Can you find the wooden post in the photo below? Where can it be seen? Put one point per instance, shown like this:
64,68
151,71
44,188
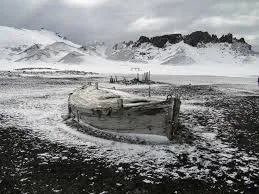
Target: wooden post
149,91
120,103
77,116
138,76
96,86
174,117
69,106
149,76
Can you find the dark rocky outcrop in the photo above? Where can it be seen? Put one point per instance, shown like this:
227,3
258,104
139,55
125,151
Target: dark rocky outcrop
197,37
226,38
242,40
214,38
174,38
160,41
128,43
192,39
142,39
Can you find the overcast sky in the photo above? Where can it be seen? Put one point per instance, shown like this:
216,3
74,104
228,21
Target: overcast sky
116,20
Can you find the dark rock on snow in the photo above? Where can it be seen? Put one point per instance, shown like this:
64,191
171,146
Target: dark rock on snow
192,39
197,37
226,38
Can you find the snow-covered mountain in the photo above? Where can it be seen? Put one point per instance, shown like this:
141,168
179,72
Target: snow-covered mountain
33,46
176,49
196,53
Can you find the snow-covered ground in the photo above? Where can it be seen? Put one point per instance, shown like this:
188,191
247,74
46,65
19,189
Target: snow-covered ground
37,103
101,65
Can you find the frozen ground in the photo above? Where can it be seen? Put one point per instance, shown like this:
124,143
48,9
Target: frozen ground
216,151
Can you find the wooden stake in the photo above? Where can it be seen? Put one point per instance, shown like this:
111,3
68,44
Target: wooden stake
120,103
77,116
69,106
149,91
174,117
96,86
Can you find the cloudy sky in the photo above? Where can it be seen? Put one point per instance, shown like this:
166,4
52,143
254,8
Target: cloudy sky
115,20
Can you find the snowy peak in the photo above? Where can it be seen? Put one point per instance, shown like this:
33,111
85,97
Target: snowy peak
61,47
72,58
95,48
21,45
33,46
13,37
177,49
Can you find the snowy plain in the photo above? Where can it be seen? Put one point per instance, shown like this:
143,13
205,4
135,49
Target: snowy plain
37,103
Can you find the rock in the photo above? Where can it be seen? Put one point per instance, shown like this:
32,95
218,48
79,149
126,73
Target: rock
159,41
142,39
214,38
174,38
226,38
242,40
129,43
192,39
197,37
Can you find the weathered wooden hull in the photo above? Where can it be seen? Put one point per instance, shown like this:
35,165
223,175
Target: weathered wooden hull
142,118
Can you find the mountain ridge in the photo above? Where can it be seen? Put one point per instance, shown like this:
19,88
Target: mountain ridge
192,39
21,45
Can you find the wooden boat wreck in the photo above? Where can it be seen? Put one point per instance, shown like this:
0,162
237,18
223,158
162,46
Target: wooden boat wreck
112,110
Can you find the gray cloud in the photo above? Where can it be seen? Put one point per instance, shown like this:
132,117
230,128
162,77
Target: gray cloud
86,20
